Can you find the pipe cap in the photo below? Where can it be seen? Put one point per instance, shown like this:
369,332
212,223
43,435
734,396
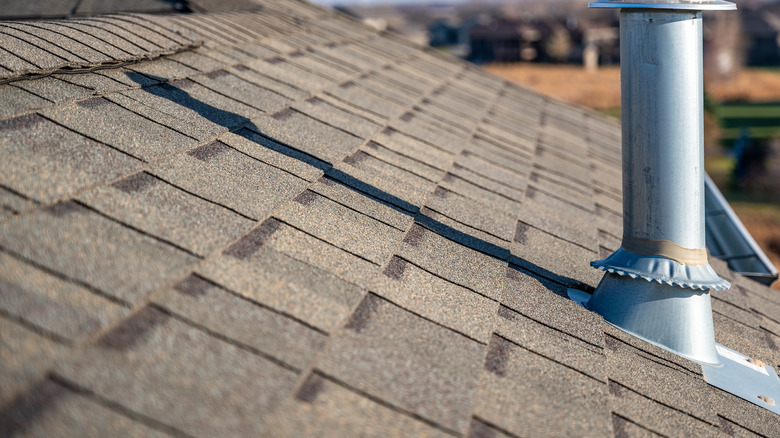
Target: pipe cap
691,5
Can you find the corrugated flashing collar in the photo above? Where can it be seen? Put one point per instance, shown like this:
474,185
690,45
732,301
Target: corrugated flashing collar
661,270
690,5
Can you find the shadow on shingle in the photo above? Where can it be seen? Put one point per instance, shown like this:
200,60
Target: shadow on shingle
244,127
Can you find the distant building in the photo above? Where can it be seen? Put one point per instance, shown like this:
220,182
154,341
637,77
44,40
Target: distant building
505,40
762,34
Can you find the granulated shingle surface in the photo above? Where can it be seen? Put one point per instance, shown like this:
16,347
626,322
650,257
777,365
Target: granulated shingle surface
279,222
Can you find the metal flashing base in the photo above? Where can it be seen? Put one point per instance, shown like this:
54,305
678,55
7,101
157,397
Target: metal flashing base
737,374
743,377
673,318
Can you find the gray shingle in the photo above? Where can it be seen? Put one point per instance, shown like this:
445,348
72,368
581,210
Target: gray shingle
572,226
383,344
463,233
322,68
546,302
655,416
178,375
14,64
163,68
196,107
481,194
302,132
275,154
86,247
271,333
64,310
489,183
678,389
473,213
413,148
54,90
45,161
340,226
12,203
283,283
16,100
155,207
27,53
359,97
436,299
334,116
116,126
552,343
380,185
279,69
454,262
104,35
24,357
554,258
324,408
526,394
59,36
367,205
231,179
123,32
197,60
18,44
245,92
49,409
408,164
259,79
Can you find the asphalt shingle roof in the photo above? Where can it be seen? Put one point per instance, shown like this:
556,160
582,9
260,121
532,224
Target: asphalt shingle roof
281,223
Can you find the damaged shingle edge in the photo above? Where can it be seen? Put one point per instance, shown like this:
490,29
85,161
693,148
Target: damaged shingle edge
89,68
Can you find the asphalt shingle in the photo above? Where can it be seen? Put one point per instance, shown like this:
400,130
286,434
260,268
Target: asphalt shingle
322,407
454,262
88,248
340,226
45,161
524,393
25,356
177,375
309,135
290,286
17,100
231,179
433,298
382,345
59,412
157,208
230,315
64,310
116,126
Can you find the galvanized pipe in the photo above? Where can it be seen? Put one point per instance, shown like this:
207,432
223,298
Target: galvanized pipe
663,129
656,285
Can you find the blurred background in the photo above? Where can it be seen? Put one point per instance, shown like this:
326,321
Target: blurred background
562,49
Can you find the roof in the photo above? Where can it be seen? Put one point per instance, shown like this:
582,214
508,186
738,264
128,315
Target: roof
287,224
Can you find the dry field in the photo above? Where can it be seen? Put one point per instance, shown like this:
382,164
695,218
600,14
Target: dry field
600,90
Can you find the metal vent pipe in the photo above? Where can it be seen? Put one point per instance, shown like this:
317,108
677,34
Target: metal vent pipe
656,285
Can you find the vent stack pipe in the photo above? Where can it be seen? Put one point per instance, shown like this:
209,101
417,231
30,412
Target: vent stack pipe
656,285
